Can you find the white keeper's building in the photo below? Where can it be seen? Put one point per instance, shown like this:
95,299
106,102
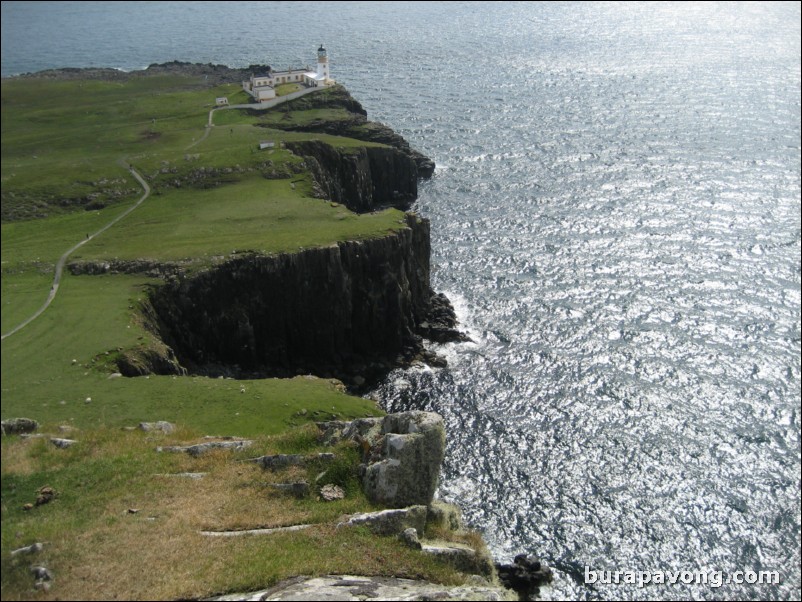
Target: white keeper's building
263,87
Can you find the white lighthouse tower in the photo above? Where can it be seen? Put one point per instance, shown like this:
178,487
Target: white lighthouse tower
322,64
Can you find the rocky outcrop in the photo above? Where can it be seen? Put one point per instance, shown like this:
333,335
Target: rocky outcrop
364,178
157,359
355,125
62,443
350,310
446,516
390,522
160,426
17,426
200,449
405,466
462,557
401,454
282,461
353,587
154,269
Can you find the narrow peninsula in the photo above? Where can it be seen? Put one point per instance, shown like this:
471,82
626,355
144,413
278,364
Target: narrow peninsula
178,423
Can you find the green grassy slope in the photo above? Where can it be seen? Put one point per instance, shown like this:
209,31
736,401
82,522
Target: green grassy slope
63,143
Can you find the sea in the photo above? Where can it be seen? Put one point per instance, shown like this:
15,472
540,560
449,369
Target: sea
616,218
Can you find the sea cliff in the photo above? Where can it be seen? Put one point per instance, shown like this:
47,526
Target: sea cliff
353,310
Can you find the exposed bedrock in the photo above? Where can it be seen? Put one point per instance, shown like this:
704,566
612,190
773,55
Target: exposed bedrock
362,178
356,125
352,310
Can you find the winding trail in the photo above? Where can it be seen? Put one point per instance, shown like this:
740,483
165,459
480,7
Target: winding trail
63,259
207,130
259,106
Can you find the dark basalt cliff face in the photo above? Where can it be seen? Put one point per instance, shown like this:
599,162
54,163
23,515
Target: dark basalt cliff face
352,310
356,125
363,179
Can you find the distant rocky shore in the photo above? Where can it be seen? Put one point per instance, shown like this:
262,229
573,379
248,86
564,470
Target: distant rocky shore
214,74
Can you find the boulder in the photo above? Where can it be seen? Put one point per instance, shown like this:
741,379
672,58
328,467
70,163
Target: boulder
31,549
401,454
161,426
331,492
17,426
62,443
461,557
410,538
281,461
407,469
298,489
41,573
45,495
357,587
525,575
201,448
390,522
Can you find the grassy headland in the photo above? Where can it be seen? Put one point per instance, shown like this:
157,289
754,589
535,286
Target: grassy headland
63,141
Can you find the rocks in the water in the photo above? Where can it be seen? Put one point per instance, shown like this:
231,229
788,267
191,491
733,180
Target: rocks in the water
18,426
441,321
202,448
525,575
62,443
390,522
331,492
161,426
280,461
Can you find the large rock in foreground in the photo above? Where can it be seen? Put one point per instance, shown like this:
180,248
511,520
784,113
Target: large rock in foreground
351,587
402,454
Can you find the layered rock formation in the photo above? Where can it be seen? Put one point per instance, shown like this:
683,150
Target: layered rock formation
352,310
363,179
356,125
402,454
358,587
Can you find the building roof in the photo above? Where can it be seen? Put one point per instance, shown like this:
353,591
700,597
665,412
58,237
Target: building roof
315,76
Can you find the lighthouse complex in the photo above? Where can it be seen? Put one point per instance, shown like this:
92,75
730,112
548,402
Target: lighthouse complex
263,87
